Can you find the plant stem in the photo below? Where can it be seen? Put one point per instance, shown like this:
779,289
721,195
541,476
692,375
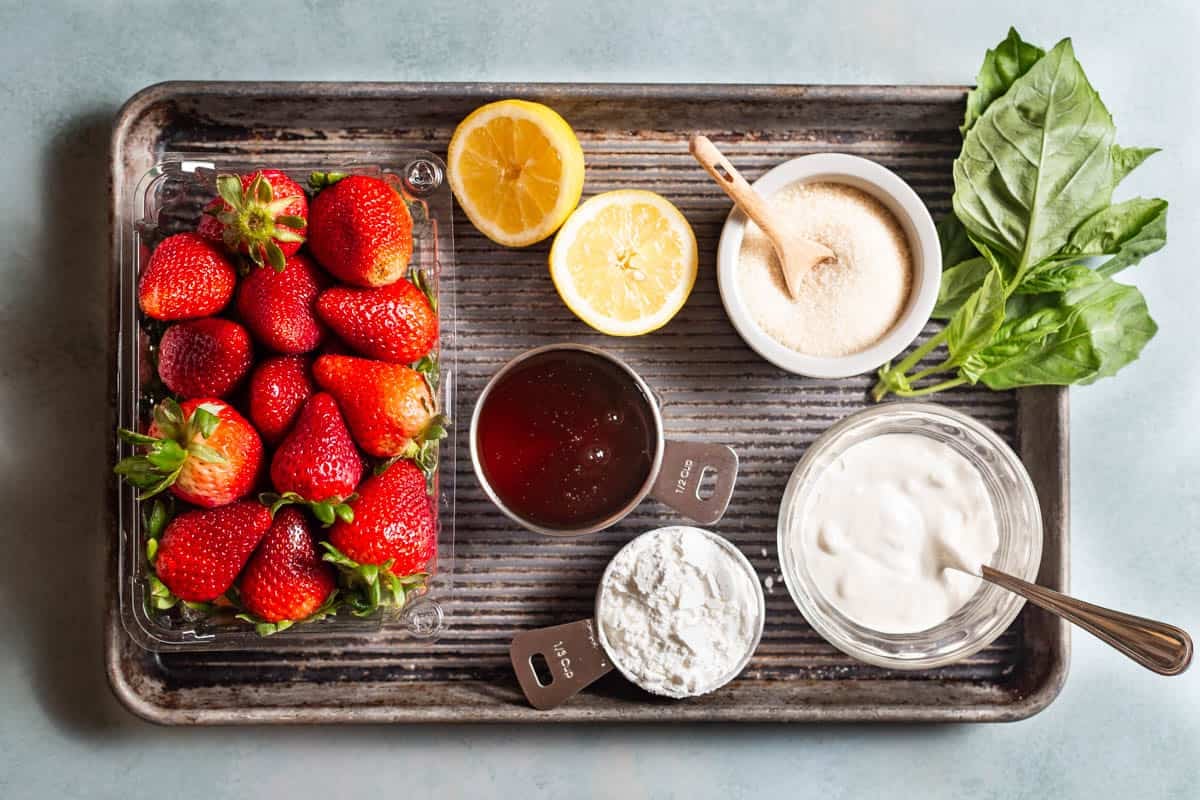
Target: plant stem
881,387
912,358
934,370
937,387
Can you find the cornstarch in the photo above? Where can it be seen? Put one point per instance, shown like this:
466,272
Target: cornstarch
679,611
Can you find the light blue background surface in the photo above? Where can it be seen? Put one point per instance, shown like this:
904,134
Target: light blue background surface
1116,731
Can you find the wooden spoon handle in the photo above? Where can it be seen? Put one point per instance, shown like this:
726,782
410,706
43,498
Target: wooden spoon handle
1155,645
738,189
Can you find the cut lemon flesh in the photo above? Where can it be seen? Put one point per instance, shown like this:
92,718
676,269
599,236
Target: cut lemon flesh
625,262
516,169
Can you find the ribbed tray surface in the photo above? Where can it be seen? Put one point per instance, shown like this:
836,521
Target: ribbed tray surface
712,387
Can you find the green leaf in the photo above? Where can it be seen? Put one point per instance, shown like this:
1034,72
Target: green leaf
956,245
978,319
1036,164
959,283
344,512
168,416
203,422
1128,232
260,187
1104,326
135,438
1127,159
275,256
1055,278
321,180
292,221
157,518
230,189
166,455
151,549
323,512
1002,66
206,453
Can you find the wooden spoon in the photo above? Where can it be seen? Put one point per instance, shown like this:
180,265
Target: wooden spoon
796,255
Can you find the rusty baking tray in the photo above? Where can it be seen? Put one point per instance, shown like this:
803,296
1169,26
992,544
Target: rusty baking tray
710,382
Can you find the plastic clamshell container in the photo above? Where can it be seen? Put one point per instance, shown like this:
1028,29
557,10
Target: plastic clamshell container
170,199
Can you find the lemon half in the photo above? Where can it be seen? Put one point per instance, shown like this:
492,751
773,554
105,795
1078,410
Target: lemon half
516,169
625,262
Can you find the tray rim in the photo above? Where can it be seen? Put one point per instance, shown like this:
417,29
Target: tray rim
1042,411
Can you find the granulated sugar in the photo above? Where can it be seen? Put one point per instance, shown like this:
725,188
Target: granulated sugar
846,305
679,612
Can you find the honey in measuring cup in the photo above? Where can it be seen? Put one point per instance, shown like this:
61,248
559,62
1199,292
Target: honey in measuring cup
566,439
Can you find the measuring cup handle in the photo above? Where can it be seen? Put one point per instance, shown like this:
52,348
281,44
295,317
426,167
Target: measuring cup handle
683,466
573,657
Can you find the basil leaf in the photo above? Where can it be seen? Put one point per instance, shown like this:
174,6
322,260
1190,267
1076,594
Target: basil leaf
958,283
1129,231
1127,159
1002,65
957,247
1119,322
1104,326
1149,238
1056,278
1037,163
978,319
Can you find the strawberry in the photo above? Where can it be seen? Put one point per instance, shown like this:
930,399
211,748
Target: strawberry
279,308
262,214
317,463
392,323
204,357
388,406
278,388
360,229
391,542
286,581
204,451
185,277
202,552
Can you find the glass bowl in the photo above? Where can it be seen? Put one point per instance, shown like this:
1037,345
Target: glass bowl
1018,519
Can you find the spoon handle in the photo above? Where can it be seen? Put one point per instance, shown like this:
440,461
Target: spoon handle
729,179
1155,645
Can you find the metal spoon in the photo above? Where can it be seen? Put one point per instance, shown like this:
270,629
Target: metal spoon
796,255
1155,645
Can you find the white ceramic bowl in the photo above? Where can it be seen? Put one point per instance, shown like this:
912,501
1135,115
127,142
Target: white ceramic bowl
899,198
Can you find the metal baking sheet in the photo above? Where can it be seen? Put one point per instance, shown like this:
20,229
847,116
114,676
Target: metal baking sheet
711,384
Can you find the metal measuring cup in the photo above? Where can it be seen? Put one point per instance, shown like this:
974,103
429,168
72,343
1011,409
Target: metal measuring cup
676,471
578,653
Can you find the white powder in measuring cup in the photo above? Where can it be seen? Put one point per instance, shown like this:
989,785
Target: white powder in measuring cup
679,612
846,305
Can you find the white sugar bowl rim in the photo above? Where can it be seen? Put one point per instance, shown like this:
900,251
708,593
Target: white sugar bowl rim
899,198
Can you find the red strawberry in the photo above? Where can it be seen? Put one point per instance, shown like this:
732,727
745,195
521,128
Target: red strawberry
186,277
286,581
360,230
279,308
201,552
262,215
393,323
206,452
204,357
387,406
317,463
394,524
278,388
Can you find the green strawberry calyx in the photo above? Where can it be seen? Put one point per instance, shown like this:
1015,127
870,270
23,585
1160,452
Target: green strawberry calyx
371,586
254,221
159,466
323,180
422,449
263,627
326,511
